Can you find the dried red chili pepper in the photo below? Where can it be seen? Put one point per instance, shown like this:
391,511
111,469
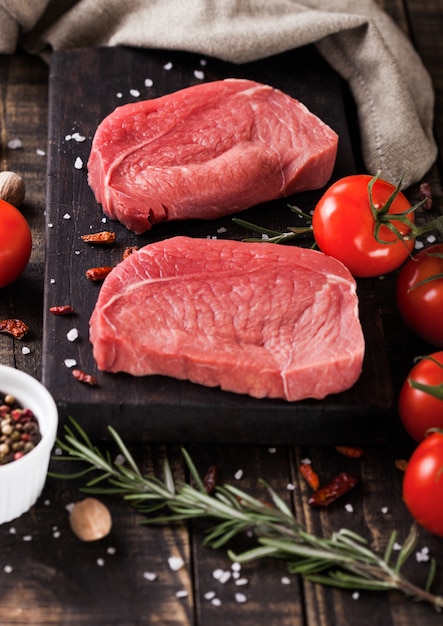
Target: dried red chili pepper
103,237
310,476
64,309
354,452
339,485
16,328
426,195
84,378
210,479
98,273
128,251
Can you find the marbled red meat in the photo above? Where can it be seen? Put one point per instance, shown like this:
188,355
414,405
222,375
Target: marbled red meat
253,318
206,151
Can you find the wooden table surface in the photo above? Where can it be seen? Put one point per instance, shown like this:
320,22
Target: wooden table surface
47,576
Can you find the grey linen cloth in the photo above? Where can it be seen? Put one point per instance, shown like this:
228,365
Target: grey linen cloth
391,87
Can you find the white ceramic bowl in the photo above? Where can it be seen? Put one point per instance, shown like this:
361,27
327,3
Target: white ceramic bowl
22,481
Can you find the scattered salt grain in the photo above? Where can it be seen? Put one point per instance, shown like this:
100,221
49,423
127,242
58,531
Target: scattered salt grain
72,335
199,74
75,137
100,562
66,216
396,546
384,510
290,486
56,534
422,556
119,459
349,508
175,563
104,220
134,93
272,450
209,595
69,507
221,230
111,550
181,594
119,94
167,66
306,461
236,567
7,569
419,244
12,530
50,225
265,236
241,582
58,451
285,580
40,152
149,82
151,576
221,575
27,537
203,62
355,595
15,144
47,502
226,575
238,474
26,350
78,163
241,598
216,601
70,362
431,238
52,281
77,252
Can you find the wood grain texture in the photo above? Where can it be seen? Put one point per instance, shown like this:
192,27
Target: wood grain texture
158,408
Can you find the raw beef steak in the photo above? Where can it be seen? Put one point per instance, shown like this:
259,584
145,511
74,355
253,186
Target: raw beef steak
207,151
253,318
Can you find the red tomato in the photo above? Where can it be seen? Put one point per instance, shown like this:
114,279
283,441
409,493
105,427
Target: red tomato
343,224
423,484
421,305
15,243
419,410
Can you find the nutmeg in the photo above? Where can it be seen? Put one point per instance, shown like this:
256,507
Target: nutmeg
90,520
12,188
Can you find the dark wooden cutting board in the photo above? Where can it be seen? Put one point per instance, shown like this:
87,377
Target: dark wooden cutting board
86,85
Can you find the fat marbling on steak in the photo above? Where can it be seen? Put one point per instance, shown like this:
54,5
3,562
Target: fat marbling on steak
252,318
206,151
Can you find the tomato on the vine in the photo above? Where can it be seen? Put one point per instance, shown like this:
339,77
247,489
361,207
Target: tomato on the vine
423,484
15,243
420,402
353,222
420,294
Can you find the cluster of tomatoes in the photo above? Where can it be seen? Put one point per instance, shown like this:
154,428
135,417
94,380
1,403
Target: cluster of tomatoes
369,225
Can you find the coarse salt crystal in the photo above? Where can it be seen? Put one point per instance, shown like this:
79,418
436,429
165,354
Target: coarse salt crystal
47,502
290,486
69,507
100,562
56,534
72,335
419,245
52,281
355,595
199,74
134,93
13,530
15,143
7,569
222,229
238,474
225,577
175,563
272,450
111,550
149,82
40,152
285,580
26,350
104,220
119,459
78,163
349,508
66,216
216,601
203,62
27,537
50,225
431,238
209,595
58,451
78,138
236,567
384,510
70,362
396,546
167,66
217,573
119,94
181,594
241,597
77,252
241,582
151,576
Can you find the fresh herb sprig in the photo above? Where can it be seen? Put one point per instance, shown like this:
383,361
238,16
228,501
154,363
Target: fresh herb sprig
343,560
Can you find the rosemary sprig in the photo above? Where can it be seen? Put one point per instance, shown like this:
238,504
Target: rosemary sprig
343,560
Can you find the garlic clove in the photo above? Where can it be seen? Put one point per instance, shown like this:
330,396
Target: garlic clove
90,520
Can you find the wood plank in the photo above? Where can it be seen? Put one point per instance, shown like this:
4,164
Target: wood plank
158,408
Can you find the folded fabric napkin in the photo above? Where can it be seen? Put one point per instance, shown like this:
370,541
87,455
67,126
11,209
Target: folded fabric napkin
391,87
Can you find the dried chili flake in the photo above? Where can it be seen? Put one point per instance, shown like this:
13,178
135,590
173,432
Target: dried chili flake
210,479
353,452
339,485
128,251
16,328
426,195
98,273
83,377
64,309
310,476
401,464
104,237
